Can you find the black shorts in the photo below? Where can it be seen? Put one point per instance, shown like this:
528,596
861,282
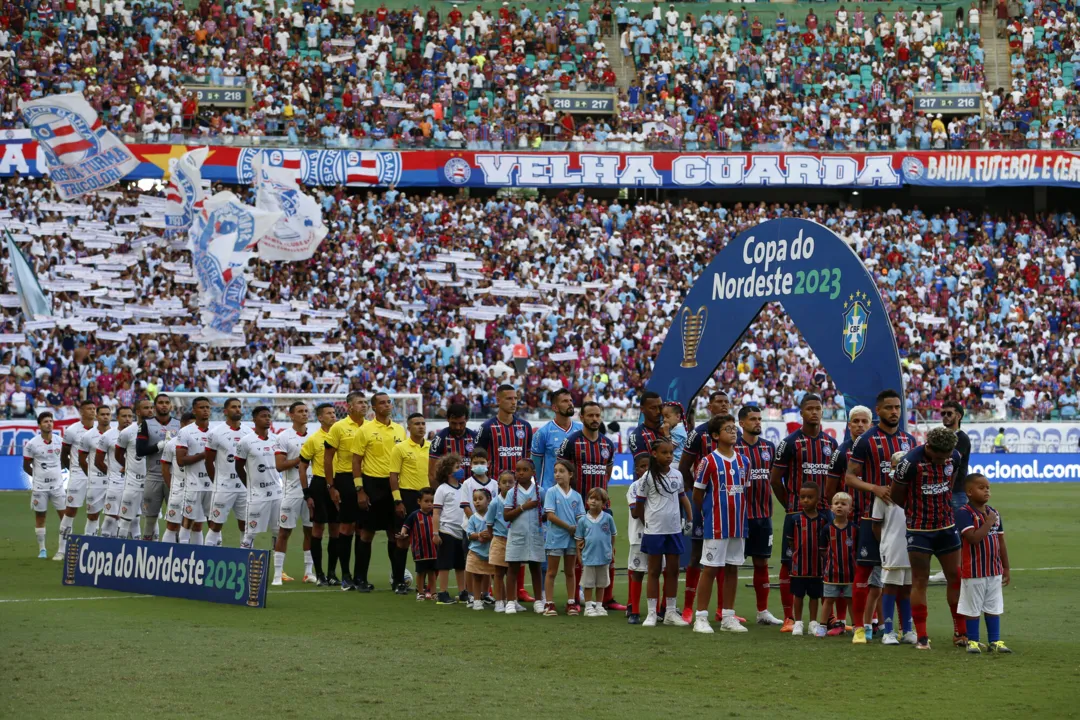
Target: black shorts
802,586
380,513
451,553
759,537
325,510
868,547
348,510
424,566
411,499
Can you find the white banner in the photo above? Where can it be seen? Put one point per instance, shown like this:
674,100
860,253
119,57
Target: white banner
185,194
300,229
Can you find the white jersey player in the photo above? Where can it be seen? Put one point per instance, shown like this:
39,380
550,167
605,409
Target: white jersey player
295,505
198,485
105,460
97,480
77,479
127,452
41,461
174,477
255,467
230,495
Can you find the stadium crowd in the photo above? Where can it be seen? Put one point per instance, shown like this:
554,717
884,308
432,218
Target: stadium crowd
985,307
377,77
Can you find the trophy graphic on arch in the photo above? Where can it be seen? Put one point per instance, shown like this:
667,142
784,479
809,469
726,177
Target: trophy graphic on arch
693,327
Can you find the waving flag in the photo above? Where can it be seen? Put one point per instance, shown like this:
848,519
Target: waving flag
81,155
184,195
31,297
300,230
222,239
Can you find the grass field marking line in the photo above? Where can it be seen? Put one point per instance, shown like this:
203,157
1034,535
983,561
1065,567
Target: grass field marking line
72,599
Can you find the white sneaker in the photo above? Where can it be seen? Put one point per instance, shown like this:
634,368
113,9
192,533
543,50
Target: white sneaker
650,619
767,618
938,577
819,631
889,639
797,630
477,604
276,581
511,608
672,617
599,610
538,607
590,611
500,606
813,627
58,556
308,578
909,638
701,625
517,606
729,624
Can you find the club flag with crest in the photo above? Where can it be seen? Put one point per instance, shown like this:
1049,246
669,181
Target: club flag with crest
184,195
80,154
34,302
300,230
222,239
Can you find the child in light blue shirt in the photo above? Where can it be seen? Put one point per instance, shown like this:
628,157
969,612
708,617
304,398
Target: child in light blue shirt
477,567
496,524
562,508
595,538
674,420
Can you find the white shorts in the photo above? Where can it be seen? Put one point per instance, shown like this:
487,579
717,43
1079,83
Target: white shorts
293,509
637,561
896,576
76,491
41,499
718,553
112,500
174,511
595,576
131,503
197,505
225,502
981,595
95,500
262,515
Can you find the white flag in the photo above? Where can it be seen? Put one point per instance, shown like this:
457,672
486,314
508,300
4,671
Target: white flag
81,155
300,230
185,194
222,239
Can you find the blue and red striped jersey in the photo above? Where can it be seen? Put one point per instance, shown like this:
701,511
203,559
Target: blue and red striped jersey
804,459
592,460
641,438
421,528
505,444
929,489
839,546
698,443
804,539
760,455
446,443
981,559
726,482
872,454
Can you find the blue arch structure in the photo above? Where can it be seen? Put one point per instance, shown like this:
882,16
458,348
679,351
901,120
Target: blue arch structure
825,289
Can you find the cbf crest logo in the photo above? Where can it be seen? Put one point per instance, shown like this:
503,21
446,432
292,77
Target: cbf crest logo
457,171
856,317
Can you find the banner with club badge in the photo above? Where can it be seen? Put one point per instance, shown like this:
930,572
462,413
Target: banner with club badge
185,194
298,232
222,239
80,153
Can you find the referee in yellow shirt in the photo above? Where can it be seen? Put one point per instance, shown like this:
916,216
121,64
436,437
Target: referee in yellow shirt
409,463
325,513
339,459
378,499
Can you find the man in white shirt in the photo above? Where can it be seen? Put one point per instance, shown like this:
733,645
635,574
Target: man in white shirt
97,480
255,468
41,461
127,455
230,495
106,462
296,503
77,479
173,475
198,485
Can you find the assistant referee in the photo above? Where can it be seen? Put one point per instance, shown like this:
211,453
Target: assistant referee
379,502
325,512
409,464
338,456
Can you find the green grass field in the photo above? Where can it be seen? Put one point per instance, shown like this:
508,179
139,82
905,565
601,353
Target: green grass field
321,652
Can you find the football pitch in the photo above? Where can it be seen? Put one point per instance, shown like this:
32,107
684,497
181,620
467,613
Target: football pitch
80,652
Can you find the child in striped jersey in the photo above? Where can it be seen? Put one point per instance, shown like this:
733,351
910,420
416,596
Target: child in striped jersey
984,566
838,545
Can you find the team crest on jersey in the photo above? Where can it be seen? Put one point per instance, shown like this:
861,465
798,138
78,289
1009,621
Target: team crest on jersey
849,542
856,315
765,456
469,446
253,523
605,453
905,445
520,434
284,518
862,552
187,508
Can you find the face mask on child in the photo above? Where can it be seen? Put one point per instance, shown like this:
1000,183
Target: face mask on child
479,469
459,474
